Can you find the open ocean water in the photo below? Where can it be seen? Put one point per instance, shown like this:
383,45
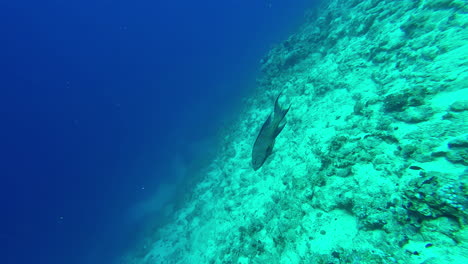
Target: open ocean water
106,107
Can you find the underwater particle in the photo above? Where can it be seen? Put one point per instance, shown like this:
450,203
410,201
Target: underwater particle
415,168
323,232
428,245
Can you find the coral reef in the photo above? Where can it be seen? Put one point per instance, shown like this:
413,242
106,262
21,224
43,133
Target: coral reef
372,166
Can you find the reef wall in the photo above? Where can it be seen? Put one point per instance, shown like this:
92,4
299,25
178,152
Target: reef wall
372,164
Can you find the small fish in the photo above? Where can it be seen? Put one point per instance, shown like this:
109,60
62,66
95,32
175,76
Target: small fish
265,141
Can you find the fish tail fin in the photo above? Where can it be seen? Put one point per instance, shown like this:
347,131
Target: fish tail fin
279,129
280,113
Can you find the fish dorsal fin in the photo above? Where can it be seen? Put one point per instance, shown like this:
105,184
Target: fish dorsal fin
284,112
267,122
280,113
278,110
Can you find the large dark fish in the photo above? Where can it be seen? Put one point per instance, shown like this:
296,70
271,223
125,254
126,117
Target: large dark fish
265,141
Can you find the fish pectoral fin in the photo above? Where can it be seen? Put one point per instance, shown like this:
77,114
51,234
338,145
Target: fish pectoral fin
267,122
270,149
279,129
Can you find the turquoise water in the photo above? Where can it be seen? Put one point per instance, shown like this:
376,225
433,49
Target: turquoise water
128,130
371,166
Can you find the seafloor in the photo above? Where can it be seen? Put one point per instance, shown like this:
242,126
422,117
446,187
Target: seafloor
372,164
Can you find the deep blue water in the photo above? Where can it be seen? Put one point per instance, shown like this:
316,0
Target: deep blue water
97,100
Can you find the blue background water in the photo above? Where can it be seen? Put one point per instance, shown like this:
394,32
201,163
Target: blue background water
99,97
